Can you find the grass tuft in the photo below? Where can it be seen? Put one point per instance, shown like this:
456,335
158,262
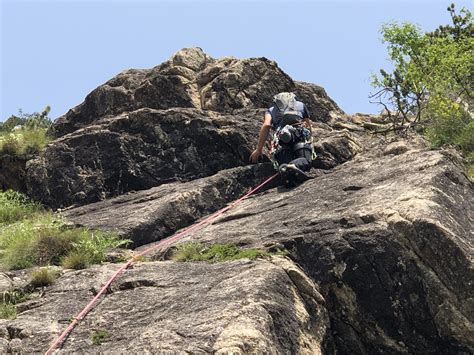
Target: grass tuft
217,253
99,337
15,206
7,311
8,302
76,260
43,277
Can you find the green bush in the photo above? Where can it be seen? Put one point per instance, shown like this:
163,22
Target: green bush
43,239
217,253
15,206
9,144
431,84
28,120
24,141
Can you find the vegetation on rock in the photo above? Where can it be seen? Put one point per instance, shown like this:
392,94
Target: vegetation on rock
431,84
30,236
8,302
15,207
217,252
25,133
99,337
43,277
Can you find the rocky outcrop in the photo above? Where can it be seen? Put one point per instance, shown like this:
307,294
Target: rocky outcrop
388,240
139,150
380,240
192,79
187,118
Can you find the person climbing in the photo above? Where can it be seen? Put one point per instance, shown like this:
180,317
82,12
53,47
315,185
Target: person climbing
291,145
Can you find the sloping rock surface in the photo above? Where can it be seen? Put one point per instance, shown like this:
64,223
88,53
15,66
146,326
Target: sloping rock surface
388,239
241,306
161,211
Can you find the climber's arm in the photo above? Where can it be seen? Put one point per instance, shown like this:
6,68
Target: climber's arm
266,126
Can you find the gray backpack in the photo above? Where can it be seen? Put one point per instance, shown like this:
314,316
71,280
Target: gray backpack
285,109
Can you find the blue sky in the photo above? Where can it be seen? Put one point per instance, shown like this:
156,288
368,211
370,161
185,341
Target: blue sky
55,52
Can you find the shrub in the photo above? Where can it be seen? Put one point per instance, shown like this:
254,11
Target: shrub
10,145
18,241
50,247
15,206
43,277
431,84
24,141
217,252
43,239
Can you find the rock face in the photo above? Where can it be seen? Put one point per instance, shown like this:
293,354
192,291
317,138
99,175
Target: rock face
138,150
192,79
187,118
380,241
261,306
160,211
388,239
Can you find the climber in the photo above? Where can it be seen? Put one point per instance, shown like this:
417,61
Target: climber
291,145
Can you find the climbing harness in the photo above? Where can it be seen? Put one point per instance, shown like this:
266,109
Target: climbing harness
164,242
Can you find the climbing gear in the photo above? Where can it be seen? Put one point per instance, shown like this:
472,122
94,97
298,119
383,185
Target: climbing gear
162,243
292,175
285,110
282,139
285,101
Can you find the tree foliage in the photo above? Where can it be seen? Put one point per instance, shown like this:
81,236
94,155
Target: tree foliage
33,120
431,82
25,133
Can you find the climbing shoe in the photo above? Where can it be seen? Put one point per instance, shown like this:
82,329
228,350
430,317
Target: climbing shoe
291,175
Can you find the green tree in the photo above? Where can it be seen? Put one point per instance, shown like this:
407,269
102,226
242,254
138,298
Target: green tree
431,83
33,120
